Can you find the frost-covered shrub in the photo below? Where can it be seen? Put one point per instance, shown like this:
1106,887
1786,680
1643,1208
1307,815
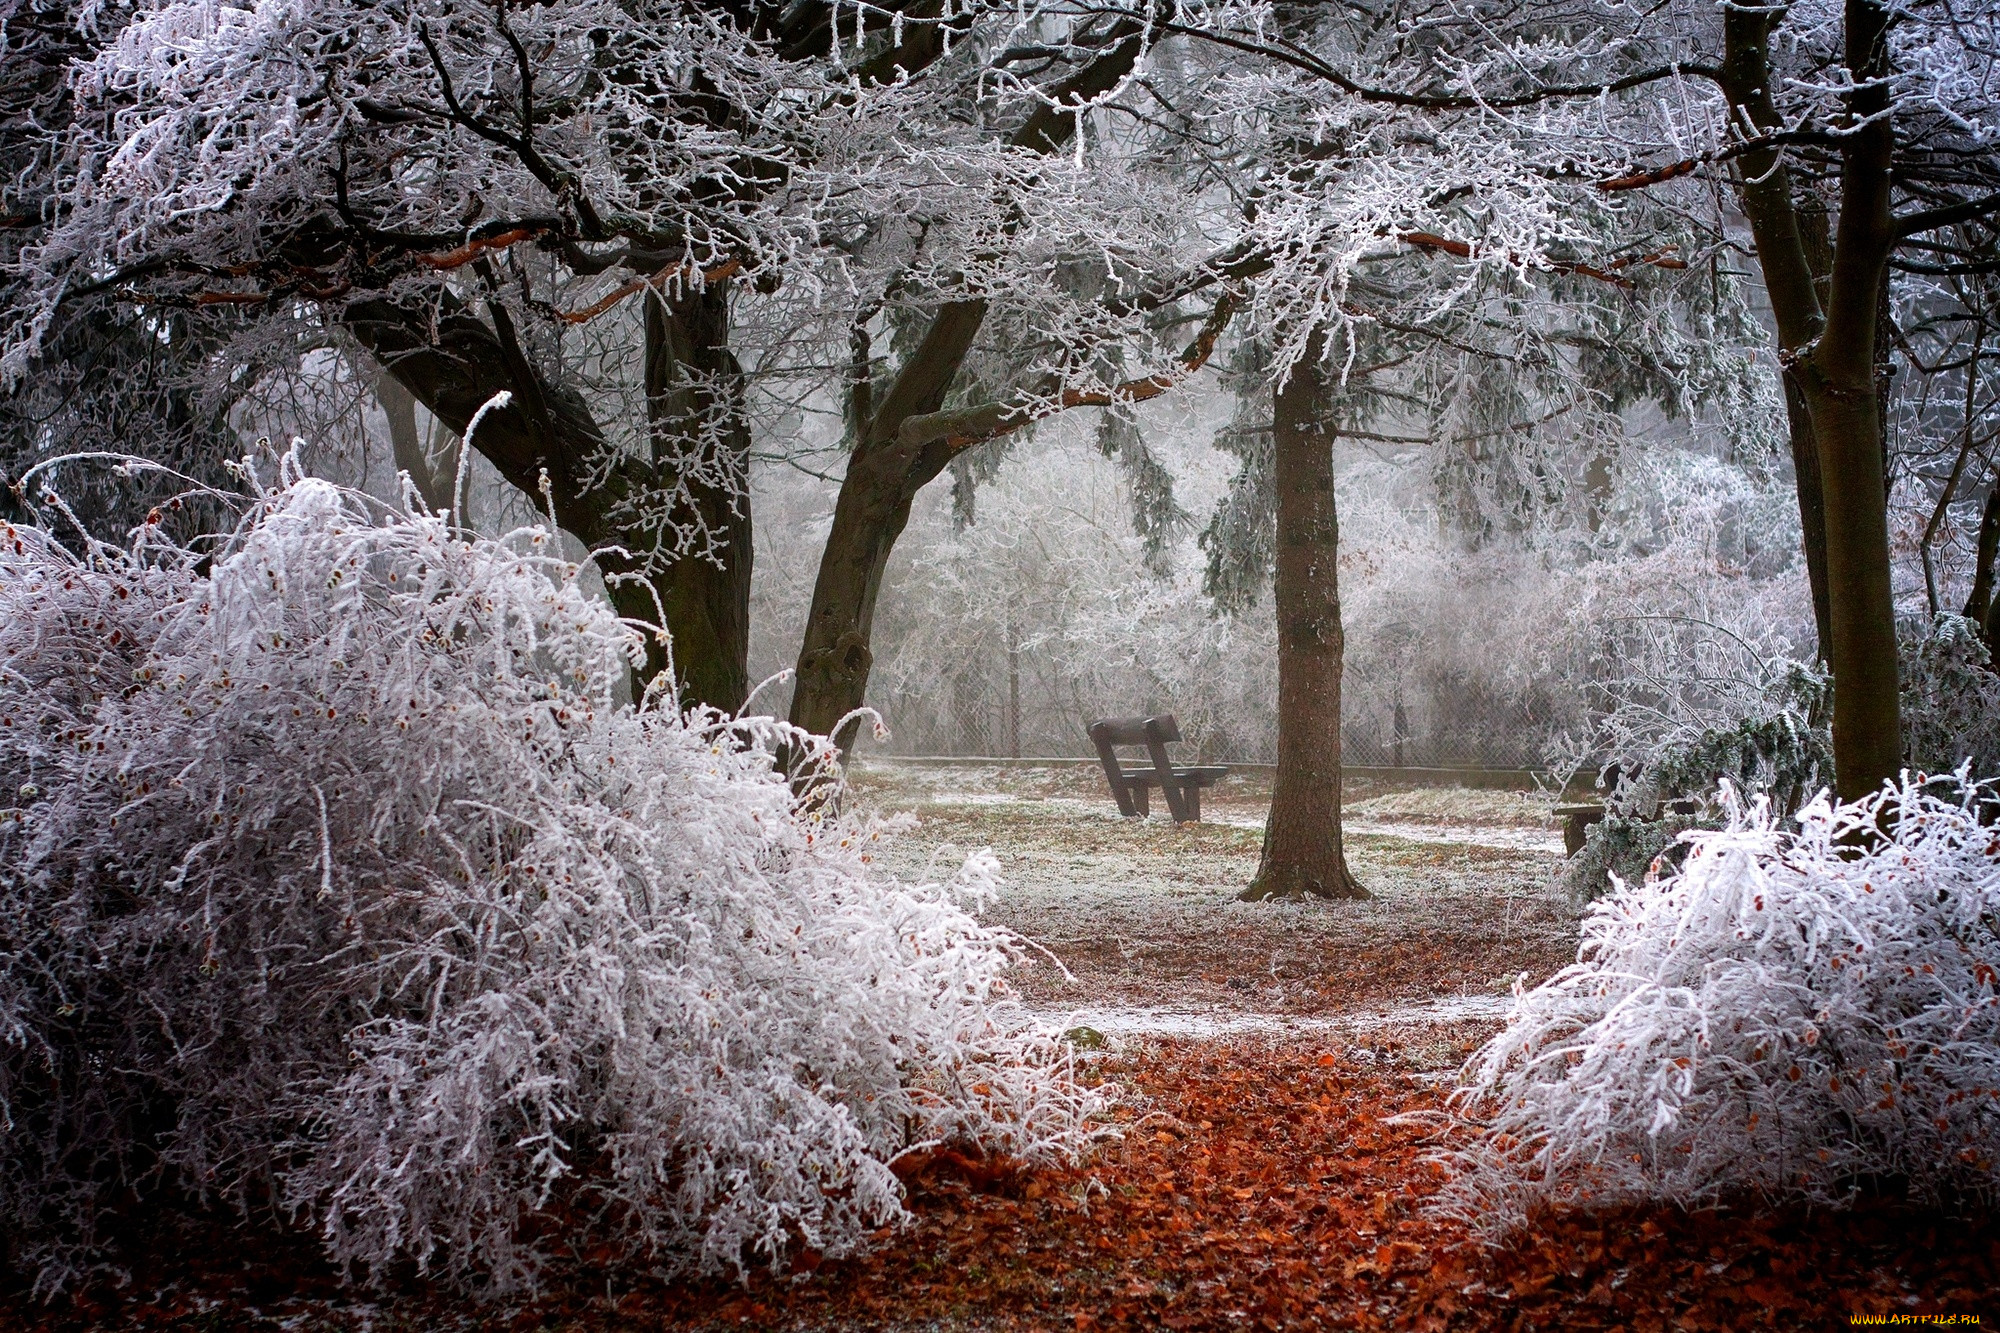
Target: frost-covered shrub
1763,732
1787,1014
335,882
1759,721
1951,697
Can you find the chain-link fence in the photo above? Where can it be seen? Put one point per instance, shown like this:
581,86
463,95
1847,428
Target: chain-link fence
1012,706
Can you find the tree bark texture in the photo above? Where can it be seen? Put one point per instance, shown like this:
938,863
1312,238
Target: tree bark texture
1303,855
1828,348
1980,604
399,407
1812,511
694,401
885,471
1795,250
1816,237
454,362
883,477
1843,390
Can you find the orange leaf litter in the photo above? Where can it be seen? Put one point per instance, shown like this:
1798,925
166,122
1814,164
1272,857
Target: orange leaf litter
1258,1187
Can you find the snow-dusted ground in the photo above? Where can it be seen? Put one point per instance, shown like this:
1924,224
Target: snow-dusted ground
1510,836
1145,939
1514,837
1154,1021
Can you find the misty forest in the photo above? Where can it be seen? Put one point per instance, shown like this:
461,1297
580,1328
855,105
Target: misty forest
999,664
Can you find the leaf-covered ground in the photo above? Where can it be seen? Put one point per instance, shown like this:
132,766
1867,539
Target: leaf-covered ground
1260,1186
1265,1179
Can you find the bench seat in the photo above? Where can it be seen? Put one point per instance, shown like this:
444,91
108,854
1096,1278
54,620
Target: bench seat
1577,819
1190,780
1131,787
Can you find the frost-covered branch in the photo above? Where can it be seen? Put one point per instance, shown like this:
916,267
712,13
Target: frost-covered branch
332,864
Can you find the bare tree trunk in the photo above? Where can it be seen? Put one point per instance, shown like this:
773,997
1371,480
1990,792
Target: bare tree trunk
399,406
1796,252
884,474
1303,854
1816,239
1829,350
1843,389
1812,509
870,513
1013,688
694,403
454,363
1980,604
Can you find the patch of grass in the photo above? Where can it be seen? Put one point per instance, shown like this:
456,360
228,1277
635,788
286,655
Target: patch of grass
1144,913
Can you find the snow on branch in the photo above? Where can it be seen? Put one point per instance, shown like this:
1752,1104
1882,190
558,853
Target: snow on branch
331,860
1792,1015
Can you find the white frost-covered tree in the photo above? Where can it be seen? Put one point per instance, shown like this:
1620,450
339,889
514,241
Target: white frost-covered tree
657,226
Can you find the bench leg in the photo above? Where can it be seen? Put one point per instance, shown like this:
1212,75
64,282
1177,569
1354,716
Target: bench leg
1121,791
1141,799
1191,798
1574,830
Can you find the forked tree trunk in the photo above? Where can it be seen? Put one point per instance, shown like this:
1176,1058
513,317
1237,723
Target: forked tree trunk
1303,855
884,473
883,477
454,362
1828,346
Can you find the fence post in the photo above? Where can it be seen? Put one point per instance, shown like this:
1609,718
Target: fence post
1013,687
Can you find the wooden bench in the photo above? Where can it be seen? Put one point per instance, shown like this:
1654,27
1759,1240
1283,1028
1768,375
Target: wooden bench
1130,786
1578,818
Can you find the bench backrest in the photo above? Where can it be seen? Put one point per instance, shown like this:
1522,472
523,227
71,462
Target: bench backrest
1152,732
1136,730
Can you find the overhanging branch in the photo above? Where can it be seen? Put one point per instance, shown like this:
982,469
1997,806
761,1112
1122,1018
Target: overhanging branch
1609,273
959,430
1640,180
682,272
1914,224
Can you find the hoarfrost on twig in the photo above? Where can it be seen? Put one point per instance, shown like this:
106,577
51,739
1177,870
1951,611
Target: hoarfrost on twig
334,862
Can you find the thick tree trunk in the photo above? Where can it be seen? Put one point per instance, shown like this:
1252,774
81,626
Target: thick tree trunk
883,477
1302,846
1828,347
454,363
1843,391
694,407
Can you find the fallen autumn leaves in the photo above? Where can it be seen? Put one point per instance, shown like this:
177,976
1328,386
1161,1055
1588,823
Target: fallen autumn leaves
1265,1187
1260,1186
